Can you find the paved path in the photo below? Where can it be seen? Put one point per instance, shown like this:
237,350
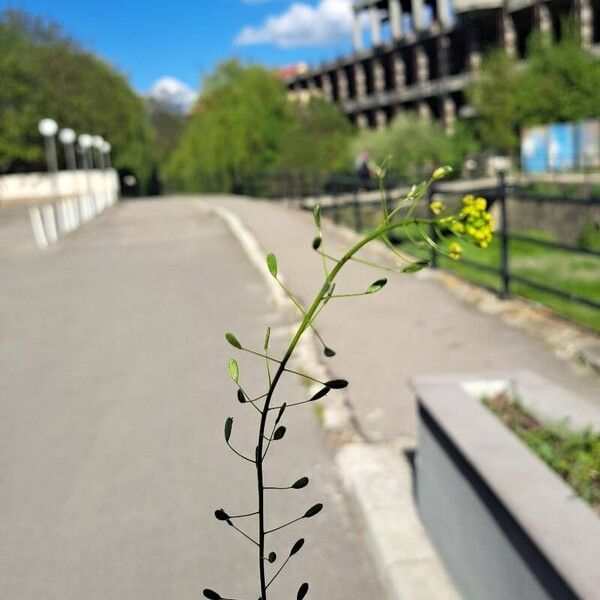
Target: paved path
414,326
113,394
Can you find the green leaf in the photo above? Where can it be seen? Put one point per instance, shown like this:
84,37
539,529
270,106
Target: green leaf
279,432
267,338
313,510
322,392
416,266
221,515
316,243
228,427
234,370
317,215
272,264
328,352
272,557
302,591
280,413
336,384
302,482
233,340
211,594
297,547
376,286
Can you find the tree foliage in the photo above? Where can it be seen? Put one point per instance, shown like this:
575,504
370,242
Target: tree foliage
236,130
46,74
317,138
558,82
411,145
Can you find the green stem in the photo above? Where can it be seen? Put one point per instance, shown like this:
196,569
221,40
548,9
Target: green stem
304,325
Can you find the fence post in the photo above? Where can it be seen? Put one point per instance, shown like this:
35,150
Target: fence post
504,237
357,212
433,258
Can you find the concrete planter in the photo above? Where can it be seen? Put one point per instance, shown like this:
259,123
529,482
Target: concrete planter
506,526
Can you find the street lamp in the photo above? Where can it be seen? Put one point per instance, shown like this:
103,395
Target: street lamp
98,143
48,129
67,137
84,142
106,148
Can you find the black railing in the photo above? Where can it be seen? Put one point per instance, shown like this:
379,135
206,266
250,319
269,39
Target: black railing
346,199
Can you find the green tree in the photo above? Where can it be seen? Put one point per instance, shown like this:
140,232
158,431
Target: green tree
317,139
237,130
561,81
410,145
494,96
44,73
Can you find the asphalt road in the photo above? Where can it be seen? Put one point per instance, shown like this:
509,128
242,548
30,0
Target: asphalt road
113,394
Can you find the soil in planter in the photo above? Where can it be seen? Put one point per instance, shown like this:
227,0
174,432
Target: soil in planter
574,455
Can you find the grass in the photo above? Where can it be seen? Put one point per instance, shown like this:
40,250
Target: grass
574,455
569,272
573,273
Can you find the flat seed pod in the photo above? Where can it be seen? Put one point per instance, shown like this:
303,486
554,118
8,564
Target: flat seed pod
376,286
317,216
272,557
280,413
279,432
313,510
234,370
302,482
211,594
322,392
297,546
240,396
228,427
416,266
267,338
233,340
328,352
337,384
221,515
316,243
302,591
272,264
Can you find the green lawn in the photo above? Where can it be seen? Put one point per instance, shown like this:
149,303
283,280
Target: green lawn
573,273
569,272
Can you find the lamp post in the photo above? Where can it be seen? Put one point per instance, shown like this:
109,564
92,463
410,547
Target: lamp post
98,143
84,142
67,137
106,148
48,129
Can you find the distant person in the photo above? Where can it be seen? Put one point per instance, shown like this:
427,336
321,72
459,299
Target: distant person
363,168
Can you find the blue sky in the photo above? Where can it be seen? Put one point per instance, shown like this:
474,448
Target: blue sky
184,39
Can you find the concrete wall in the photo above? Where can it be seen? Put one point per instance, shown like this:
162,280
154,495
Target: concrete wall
35,188
59,203
505,525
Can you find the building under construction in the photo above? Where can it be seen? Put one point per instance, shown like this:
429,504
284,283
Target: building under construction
421,54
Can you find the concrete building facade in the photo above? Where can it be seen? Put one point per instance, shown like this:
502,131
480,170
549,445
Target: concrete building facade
420,55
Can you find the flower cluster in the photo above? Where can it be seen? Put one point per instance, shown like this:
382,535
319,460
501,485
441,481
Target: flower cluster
474,221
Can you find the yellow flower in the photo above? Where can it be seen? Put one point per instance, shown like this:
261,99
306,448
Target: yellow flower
454,251
468,200
458,227
441,172
436,207
480,203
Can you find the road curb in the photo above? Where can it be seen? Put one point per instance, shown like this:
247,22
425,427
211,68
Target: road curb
377,477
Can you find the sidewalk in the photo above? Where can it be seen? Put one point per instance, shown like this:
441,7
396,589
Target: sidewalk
414,326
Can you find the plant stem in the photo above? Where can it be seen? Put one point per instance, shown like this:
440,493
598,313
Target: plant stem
304,325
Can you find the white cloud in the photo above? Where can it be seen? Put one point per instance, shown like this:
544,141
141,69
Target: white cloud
172,93
326,24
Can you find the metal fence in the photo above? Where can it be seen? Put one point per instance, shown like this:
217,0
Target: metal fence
345,199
